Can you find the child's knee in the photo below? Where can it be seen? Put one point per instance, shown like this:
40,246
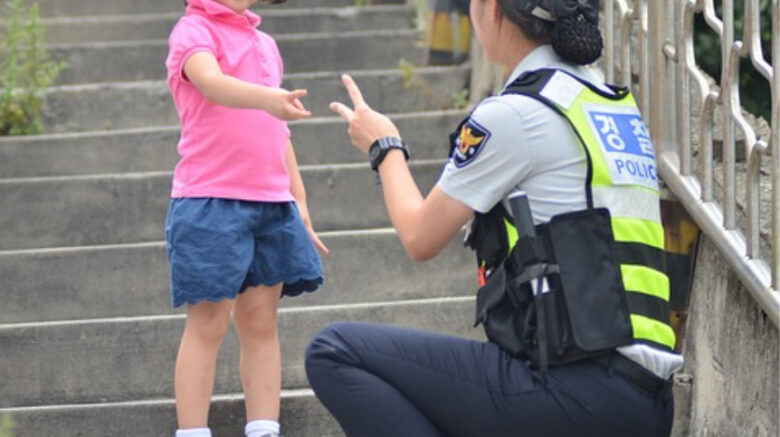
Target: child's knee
256,325
209,325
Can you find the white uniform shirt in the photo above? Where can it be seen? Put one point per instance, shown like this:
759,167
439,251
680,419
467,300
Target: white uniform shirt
523,144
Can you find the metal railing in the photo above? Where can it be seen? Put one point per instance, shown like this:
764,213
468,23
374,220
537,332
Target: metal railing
674,93
649,45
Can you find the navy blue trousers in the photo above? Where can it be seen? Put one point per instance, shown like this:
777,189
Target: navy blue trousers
380,380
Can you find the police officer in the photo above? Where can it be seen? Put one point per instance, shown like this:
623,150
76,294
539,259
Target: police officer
573,145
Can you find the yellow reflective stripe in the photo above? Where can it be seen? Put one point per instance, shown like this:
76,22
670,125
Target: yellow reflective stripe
631,230
642,279
511,235
652,330
576,115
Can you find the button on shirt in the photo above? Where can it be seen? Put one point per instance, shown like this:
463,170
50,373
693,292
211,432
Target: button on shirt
530,147
226,152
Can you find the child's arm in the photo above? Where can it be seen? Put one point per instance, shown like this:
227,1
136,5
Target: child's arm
299,193
203,70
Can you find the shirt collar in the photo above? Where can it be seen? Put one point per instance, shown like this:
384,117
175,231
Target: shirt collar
212,8
544,56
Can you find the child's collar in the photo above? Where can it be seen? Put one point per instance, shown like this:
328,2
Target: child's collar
215,9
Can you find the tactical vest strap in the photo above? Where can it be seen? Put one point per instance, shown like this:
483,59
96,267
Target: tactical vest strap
531,84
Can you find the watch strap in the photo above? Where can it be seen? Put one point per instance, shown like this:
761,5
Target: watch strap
379,149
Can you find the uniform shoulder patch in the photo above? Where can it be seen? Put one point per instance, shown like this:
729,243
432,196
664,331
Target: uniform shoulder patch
469,143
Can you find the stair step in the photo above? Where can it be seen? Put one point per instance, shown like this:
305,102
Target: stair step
133,279
114,360
134,27
87,202
124,105
131,208
301,415
145,60
317,140
74,8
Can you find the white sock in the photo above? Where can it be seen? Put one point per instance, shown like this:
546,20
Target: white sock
194,432
256,428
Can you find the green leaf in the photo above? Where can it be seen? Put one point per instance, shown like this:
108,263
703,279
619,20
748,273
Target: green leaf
26,71
7,423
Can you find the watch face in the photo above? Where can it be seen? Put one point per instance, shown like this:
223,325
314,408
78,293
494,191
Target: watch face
379,149
375,150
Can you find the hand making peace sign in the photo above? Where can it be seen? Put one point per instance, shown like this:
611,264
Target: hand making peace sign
365,124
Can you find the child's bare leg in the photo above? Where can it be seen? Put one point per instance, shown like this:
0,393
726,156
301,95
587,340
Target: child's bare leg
197,360
254,316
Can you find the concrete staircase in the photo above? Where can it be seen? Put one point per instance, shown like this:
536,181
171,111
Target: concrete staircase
87,335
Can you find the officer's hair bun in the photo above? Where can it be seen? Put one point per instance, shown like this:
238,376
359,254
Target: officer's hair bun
576,36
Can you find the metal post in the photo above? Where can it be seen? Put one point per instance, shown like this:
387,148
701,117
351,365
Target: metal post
609,36
684,94
656,26
644,55
627,16
775,147
727,124
671,78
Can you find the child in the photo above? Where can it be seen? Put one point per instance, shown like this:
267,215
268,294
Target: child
238,228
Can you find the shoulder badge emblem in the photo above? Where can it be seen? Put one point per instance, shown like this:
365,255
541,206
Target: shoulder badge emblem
469,143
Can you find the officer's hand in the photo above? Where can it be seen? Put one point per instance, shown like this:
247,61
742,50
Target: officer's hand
365,124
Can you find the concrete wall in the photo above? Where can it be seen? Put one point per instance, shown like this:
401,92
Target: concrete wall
730,384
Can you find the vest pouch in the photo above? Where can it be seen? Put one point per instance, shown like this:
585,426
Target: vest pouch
509,313
556,328
488,237
577,310
503,313
593,298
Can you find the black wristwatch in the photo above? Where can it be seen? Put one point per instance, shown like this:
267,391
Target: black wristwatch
379,149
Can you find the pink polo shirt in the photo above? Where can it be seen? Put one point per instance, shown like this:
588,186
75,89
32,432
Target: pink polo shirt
225,152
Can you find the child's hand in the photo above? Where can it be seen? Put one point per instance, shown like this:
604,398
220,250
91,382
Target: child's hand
304,211
286,105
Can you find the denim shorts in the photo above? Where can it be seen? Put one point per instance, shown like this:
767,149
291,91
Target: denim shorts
219,247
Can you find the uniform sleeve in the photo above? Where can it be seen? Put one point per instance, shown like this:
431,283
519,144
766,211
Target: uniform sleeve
492,157
187,38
